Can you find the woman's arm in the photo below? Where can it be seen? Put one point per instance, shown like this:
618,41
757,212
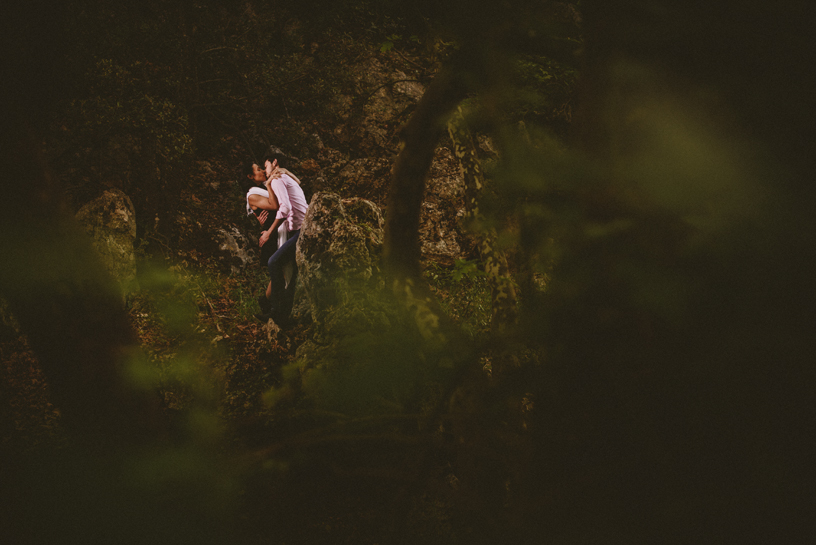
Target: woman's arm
295,178
266,235
264,203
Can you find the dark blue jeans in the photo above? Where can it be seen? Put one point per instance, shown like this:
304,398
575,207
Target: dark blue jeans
281,297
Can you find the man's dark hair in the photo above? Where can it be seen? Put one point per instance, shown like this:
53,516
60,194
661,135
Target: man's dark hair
283,161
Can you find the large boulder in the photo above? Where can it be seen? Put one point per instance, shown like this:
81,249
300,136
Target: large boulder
363,354
110,221
338,262
235,252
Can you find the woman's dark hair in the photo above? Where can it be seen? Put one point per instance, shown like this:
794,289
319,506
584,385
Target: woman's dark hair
247,170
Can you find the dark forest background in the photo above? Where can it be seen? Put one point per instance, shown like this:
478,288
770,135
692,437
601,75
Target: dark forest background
650,187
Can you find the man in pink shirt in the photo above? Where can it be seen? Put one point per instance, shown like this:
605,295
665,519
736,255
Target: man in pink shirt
292,207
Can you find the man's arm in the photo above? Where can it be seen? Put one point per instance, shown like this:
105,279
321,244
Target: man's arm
279,189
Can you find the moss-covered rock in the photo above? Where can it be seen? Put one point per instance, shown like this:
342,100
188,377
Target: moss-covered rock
338,261
363,356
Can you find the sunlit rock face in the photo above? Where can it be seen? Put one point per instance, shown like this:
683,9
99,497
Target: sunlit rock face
438,235
387,98
110,221
441,237
338,262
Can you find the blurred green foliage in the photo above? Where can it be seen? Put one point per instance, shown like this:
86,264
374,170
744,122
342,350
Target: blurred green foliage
464,294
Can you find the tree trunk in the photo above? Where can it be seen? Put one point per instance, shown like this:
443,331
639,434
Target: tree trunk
418,141
64,301
66,304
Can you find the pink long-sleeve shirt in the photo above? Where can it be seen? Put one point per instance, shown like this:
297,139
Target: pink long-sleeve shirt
291,200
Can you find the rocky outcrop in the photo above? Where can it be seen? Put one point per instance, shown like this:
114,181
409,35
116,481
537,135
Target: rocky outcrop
371,121
235,251
338,262
367,178
438,235
280,155
362,355
385,96
441,237
110,221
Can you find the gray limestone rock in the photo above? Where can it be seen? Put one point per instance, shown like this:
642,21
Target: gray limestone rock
235,251
338,262
363,354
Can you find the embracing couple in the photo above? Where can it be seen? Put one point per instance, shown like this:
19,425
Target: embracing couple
280,208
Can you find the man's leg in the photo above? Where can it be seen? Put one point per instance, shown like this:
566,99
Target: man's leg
289,293
276,288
